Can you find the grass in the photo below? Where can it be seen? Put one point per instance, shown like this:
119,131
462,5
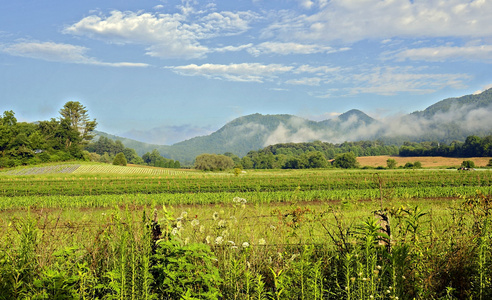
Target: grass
267,243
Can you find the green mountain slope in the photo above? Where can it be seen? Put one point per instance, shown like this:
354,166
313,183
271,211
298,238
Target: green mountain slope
447,120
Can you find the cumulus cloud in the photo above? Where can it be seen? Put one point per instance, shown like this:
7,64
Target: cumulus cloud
58,52
165,35
354,20
443,53
252,72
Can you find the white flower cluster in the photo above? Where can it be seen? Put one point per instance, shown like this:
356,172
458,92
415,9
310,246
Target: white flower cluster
238,200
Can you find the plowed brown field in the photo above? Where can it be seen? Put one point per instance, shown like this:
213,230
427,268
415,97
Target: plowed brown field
426,161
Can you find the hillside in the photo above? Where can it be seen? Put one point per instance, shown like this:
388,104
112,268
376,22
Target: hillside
445,121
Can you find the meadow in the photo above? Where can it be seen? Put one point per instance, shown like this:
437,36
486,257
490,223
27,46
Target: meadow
95,233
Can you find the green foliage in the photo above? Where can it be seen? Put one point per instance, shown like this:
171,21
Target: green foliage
345,161
55,140
185,270
391,163
119,159
468,164
213,162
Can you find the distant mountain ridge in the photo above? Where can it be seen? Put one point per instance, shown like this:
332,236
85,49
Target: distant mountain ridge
444,121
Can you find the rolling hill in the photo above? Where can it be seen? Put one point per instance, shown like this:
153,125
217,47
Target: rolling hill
445,121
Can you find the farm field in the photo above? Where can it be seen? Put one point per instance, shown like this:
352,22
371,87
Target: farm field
276,234
427,161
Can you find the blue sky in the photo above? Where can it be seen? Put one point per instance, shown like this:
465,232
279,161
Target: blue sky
165,71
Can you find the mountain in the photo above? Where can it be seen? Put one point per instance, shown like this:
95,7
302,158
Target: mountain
445,121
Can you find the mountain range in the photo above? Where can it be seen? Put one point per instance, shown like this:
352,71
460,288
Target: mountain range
445,121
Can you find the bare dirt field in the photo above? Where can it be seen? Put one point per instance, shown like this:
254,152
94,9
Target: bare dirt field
426,161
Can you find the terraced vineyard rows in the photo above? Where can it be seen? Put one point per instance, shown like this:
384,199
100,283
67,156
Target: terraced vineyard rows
90,169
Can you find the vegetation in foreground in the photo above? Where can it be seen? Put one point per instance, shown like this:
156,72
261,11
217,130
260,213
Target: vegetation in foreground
353,250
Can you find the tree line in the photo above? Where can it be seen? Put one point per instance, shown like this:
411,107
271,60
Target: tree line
68,137
60,139
474,146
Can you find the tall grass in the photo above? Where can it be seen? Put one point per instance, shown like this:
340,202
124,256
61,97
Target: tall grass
242,250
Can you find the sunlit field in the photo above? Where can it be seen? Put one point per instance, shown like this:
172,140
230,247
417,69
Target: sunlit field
296,234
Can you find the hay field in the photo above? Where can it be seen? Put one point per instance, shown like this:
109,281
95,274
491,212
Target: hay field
427,161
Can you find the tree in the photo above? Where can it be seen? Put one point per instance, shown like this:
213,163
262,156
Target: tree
119,159
213,162
77,116
346,161
391,163
468,164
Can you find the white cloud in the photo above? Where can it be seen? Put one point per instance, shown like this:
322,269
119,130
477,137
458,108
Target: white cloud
313,81
288,48
166,35
489,86
254,72
483,52
389,81
58,52
394,80
355,20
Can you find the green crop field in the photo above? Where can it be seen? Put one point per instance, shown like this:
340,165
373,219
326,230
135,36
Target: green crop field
88,231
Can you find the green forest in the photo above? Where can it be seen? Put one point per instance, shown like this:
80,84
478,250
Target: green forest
71,137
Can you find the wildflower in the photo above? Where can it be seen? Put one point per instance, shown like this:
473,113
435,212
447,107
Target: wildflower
215,215
245,245
219,240
273,228
352,279
208,238
222,223
202,229
195,222
378,267
376,272
403,277
179,224
184,214
371,297
261,242
225,233
238,200
232,243
174,231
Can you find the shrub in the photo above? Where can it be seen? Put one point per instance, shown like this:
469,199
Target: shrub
468,164
119,159
346,161
391,163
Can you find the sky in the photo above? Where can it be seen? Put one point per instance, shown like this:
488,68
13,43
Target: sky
164,71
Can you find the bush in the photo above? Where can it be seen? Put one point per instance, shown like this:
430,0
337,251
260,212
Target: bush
213,162
346,161
468,164
391,163
119,159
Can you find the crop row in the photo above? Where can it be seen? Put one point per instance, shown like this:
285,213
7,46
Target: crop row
73,186
344,196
